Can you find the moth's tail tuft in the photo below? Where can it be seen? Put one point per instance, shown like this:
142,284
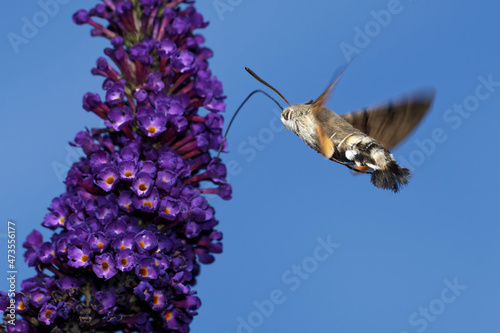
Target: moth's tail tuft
392,177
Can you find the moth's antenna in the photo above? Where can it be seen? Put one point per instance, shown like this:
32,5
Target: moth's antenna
238,110
267,84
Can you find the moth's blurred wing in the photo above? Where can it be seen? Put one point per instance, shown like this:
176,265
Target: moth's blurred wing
389,123
322,100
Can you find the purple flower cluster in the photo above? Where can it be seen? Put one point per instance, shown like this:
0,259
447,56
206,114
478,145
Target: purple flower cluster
134,225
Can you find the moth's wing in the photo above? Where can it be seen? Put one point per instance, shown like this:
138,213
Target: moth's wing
322,100
389,123
318,108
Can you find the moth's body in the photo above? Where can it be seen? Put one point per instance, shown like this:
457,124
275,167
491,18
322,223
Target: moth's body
359,140
346,143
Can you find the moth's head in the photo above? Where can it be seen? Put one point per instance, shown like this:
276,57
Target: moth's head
294,112
288,117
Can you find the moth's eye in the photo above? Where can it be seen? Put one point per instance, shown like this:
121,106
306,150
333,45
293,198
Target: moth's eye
309,102
287,114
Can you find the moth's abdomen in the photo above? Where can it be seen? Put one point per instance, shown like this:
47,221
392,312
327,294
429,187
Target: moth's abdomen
366,151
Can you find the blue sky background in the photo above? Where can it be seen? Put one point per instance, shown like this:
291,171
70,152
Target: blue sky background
394,255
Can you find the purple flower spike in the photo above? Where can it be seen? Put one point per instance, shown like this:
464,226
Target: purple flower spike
134,224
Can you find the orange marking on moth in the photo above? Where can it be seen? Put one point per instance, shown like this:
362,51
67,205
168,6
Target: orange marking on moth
361,168
325,145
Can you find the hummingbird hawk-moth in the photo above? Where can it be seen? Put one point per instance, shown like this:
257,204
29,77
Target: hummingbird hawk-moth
361,139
